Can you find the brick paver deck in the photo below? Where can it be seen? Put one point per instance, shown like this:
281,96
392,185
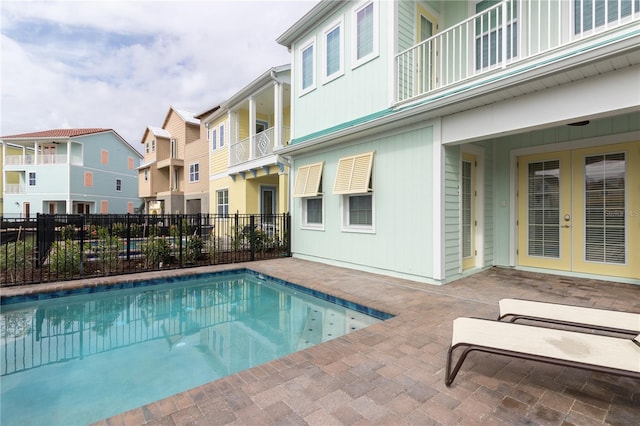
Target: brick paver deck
392,373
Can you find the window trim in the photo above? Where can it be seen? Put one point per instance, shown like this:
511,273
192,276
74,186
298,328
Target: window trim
35,179
218,191
304,223
118,185
337,24
375,50
193,173
311,43
345,204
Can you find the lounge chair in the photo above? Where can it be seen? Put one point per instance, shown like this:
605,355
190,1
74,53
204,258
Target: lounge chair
577,316
607,354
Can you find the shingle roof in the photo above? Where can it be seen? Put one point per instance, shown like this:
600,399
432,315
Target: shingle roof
56,133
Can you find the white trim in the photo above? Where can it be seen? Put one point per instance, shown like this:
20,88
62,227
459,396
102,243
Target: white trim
303,214
437,248
339,23
479,201
310,43
344,207
355,61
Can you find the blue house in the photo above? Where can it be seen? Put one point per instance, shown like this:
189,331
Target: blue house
432,139
78,171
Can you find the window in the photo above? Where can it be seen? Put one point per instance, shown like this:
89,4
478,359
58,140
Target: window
104,207
32,178
130,207
353,180
131,163
365,39
312,212
153,145
308,72
592,14
489,33
213,139
308,186
88,179
194,172
146,148
221,135
146,175
104,156
222,200
118,184
333,52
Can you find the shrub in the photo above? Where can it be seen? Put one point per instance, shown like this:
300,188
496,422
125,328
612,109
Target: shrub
156,250
194,249
107,250
64,257
68,232
15,256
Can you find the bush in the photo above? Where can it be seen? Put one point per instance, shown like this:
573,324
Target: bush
15,256
64,257
156,250
194,249
108,250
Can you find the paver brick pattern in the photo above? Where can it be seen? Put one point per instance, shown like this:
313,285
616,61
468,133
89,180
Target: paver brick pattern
392,373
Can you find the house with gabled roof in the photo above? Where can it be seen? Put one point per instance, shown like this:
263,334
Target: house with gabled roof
170,178
432,139
73,171
243,132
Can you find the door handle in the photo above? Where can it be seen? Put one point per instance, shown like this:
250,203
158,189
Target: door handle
565,226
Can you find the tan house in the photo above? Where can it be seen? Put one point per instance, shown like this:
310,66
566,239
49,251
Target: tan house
172,177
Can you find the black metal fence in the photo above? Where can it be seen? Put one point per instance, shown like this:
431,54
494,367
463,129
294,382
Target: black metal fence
63,247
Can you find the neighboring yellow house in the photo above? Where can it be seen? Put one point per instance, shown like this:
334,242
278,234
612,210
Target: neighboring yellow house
172,177
245,176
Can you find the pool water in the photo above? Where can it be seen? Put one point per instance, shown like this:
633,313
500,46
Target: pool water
82,358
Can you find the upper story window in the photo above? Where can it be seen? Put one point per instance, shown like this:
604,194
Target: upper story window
131,163
153,145
104,156
194,172
88,179
32,178
221,135
589,15
333,51
308,67
214,139
118,184
489,33
365,37
146,148
146,175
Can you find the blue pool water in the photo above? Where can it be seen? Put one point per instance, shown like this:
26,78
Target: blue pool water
72,359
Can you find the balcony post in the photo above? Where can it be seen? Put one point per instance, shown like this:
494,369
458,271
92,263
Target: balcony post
504,33
278,111
252,128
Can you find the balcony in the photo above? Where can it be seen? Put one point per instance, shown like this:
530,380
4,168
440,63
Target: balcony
502,38
14,188
40,160
259,146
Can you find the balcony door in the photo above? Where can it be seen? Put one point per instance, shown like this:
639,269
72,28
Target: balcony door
426,69
577,210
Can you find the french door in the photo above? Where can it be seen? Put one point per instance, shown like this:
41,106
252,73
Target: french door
579,210
469,221
426,70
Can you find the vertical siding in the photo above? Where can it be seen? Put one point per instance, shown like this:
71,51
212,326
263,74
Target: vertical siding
402,196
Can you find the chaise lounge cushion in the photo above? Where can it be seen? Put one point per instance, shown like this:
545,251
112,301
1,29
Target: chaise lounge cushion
584,350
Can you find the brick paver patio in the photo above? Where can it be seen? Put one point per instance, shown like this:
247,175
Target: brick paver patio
392,373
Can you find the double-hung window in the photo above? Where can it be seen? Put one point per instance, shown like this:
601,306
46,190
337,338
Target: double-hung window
118,185
194,172
591,14
354,183
222,202
32,178
214,139
333,51
221,135
365,37
490,32
308,188
308,67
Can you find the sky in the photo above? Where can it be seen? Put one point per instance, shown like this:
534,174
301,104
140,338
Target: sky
122,64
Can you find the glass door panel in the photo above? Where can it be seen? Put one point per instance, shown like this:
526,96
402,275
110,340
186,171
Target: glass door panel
468,211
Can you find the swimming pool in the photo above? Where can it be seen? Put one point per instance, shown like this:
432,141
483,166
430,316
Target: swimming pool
68,358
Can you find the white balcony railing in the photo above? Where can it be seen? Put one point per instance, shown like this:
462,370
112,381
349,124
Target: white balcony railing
30,159
14,188
261,145
503,35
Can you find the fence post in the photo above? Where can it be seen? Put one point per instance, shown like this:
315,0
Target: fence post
128,237
252,237
82,225
288,233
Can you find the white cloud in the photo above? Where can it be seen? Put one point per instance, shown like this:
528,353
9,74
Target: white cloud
122,64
